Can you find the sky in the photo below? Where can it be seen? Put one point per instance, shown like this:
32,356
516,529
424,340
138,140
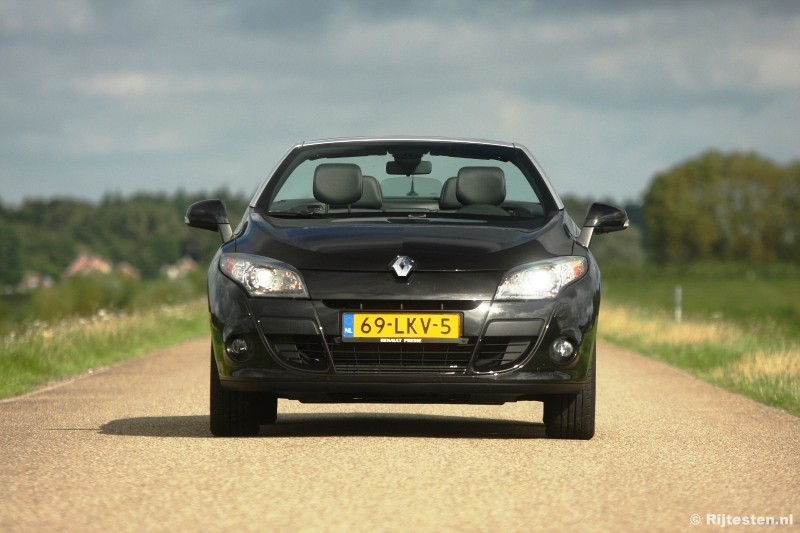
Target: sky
116,97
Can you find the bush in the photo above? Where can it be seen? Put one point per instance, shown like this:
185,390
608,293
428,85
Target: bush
88,295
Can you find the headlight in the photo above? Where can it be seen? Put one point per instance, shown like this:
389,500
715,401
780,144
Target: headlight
261,276
542,280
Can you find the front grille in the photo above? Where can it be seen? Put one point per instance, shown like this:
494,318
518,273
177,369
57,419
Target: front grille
499,353
393,358
306,352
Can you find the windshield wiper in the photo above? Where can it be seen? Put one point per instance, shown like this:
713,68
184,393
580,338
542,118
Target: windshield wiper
297,214
434,220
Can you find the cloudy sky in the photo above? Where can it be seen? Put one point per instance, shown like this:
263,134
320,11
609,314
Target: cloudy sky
116,97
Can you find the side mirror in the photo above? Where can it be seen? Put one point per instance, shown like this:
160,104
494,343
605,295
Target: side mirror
602,218
210,215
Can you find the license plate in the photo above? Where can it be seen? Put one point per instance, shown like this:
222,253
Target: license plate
402,327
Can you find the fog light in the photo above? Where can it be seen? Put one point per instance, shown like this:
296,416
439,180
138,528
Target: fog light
239,349
562,350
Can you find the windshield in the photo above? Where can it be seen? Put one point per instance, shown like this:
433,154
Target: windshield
395,181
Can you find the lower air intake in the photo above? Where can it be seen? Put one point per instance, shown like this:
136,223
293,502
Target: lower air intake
399,358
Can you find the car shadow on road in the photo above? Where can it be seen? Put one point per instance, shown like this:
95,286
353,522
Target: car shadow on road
339,425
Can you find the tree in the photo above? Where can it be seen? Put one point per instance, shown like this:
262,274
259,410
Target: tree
10,255
724,207
145,230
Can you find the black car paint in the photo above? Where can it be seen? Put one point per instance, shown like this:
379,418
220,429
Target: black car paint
339,267
363,245
508,350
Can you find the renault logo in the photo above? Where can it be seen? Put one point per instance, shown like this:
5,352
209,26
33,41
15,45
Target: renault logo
402,266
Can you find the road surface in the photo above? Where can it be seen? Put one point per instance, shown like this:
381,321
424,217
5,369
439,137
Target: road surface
128,449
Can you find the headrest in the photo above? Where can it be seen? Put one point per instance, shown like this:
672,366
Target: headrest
337,183
481,185
371,195
447,198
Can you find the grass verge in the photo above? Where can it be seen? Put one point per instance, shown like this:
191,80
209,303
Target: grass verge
761,366
42,352
763,297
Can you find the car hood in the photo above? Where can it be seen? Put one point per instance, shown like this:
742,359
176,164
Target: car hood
370,246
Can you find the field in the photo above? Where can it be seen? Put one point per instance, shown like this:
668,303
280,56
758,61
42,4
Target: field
762,299
40,352
740,327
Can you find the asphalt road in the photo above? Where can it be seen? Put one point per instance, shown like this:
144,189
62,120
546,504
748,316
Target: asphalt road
128,448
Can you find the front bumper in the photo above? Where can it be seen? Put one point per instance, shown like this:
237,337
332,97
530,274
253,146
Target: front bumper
297,351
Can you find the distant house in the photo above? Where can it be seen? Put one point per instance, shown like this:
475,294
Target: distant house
179,269
34,280
127,270
87,263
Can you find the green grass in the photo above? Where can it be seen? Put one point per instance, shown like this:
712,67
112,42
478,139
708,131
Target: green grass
41,352
85,296
740,327
756,298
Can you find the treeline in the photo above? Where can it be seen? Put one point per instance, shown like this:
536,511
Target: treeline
729,207
146,231
715,207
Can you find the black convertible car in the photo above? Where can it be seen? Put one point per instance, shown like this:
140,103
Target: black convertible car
404,270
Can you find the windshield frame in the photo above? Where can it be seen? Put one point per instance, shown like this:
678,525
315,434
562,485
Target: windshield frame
343,148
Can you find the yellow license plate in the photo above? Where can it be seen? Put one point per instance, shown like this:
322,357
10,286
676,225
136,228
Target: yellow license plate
385,326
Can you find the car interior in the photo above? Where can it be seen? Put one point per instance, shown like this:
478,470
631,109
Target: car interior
341,189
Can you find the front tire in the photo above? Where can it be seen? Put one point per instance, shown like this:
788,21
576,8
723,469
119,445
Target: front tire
238,414
571,416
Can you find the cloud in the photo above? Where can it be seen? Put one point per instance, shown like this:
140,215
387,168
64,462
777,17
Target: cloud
42,17
142,84
204,93
123,85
